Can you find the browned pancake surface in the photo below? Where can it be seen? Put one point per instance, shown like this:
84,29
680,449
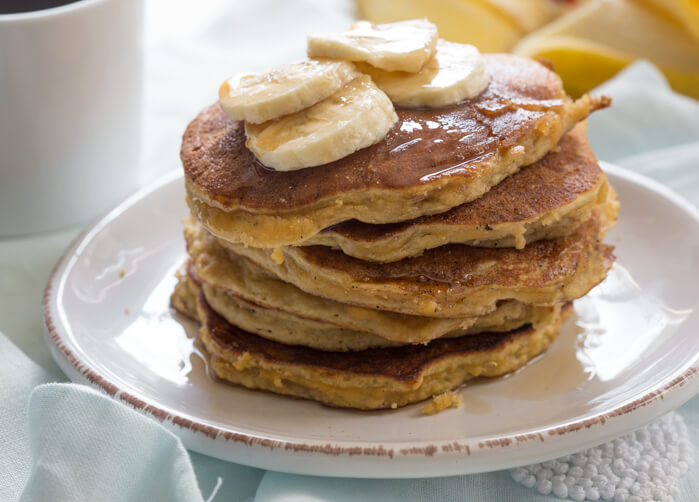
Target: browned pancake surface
405,363
457,265
425,145
551,183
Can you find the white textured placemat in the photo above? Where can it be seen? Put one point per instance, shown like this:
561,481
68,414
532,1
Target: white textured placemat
643,465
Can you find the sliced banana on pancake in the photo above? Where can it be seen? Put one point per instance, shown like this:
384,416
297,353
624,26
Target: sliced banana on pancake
259,97
356,116
455,73
401,46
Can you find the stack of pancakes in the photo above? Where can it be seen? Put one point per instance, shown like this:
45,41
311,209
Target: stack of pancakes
449,250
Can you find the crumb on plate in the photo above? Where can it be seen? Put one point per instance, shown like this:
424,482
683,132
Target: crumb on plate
442,402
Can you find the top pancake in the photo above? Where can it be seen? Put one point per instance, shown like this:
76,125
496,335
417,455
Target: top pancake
547,199
432,160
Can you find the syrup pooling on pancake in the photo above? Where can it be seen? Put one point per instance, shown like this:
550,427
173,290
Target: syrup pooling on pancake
432,160
546,200
425,144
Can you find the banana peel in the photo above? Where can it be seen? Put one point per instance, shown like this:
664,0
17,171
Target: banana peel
470,22
490,25
684,11
587,44
590,44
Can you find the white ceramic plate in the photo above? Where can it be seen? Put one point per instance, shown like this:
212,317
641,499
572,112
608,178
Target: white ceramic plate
629,354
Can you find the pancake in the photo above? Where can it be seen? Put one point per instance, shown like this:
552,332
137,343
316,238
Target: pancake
548,199
184,296
249,284
452,280
368,379
432,160
285,327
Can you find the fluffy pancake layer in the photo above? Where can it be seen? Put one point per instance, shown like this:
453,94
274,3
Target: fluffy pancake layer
368,379
546,200
452,280
431,161
284,326
247,283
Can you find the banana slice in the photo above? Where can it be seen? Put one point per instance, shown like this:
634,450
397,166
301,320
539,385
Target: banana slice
261,97
356,116
401,46
455,73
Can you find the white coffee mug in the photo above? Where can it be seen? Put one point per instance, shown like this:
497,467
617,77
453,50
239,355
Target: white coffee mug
71,80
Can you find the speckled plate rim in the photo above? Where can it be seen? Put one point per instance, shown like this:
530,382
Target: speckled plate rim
355,458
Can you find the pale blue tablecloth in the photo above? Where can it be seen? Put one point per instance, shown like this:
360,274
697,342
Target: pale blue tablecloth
65,442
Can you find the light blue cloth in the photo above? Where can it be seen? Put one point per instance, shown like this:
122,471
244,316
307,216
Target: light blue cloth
64,442
18,377
81,444
71,443
649,129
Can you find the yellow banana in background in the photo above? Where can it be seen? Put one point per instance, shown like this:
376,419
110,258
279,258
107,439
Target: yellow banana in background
592,43
685,11
492,26
587,41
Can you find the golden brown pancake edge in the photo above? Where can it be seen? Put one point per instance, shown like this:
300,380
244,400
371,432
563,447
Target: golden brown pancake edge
453,280
433,160
370,379
547,199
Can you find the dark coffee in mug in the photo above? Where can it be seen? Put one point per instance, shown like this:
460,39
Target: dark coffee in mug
17,6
